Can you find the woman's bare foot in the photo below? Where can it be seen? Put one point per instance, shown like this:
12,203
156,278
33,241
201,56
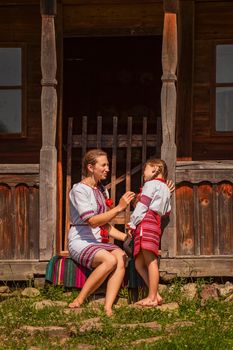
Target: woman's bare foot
75,304
159,299
147,302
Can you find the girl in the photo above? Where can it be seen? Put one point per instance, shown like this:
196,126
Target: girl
145,224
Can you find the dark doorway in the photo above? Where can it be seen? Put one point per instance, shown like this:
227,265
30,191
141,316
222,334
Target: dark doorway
112,76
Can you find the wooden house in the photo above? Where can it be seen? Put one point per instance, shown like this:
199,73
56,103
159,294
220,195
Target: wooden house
139,78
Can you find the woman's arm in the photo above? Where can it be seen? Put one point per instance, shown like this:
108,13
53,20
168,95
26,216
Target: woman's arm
104,218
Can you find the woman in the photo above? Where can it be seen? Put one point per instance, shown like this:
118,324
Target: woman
88,235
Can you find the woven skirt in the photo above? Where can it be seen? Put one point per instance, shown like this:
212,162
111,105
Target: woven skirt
148,233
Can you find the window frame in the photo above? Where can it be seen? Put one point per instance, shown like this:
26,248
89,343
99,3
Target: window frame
214,86
22,88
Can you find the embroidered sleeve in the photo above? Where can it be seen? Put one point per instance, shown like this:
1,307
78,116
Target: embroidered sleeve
80,198
143,204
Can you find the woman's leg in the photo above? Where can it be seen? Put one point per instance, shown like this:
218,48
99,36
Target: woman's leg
115,280
104,263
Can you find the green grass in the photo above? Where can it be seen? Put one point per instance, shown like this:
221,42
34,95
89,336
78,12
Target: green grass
211,325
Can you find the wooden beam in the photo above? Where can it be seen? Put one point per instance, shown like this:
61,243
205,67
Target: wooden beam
185,79
170,6
48,153
48,7
168,109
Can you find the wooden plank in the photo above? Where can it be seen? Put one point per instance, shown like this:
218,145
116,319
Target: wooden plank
198,267
128,164
185,220
114,159
113,19
216,220
21,219
144,144
99,131
206,229
225,217
197,245
33,223
168,109
19,270
68,181
48,153
106,140
7,234
15,179
196,176
207,165
84,135
48,7
170,6
185,79
19,168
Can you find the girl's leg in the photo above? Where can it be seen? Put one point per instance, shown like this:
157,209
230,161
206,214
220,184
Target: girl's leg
104,263
115,280
142,268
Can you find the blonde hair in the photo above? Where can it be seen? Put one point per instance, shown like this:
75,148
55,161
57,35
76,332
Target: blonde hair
91,158
162,167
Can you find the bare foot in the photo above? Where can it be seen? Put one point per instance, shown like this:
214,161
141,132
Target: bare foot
147,302
159,299
75,304
108,312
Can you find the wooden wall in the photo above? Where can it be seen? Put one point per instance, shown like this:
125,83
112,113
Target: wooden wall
213,22
22,24
19,212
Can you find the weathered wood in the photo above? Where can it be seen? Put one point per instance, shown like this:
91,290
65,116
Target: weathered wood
225,217
48,153
144,146
106,140
114,160
48,7
99,131
198,267
185,220
168,109
15,179
128,164
185,78
170,6
19,168
84,135
68,180
21,270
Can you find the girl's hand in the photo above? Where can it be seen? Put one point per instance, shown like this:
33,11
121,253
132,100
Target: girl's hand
171,185
126,199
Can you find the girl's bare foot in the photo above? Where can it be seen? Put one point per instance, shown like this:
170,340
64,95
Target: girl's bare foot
147,302
75,304
159,299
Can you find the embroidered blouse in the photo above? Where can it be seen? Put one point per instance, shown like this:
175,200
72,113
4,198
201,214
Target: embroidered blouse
155,196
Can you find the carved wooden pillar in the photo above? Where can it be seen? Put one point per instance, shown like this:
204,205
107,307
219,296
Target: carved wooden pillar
48,153
168,109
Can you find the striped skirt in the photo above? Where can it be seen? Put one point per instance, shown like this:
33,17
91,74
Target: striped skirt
86,256
148,233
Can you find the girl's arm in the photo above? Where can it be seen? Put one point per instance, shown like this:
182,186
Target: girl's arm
104,218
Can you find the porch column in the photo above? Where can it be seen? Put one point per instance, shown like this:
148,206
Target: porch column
168,109
48,153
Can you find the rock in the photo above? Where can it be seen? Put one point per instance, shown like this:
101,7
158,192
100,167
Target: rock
77,310
167,277
39,282
30,292
49,303
52,331
189,291
92,323
179,324
209,291
84,346
96,302
226,290
229,298
147,341
162,288
168,307
4,290
152,325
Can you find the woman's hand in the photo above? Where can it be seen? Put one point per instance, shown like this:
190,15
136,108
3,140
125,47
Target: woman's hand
125,200
171,186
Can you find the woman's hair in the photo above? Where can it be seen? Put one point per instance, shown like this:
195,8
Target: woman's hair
162,167
91,158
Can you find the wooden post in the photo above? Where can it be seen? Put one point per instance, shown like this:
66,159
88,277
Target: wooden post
48,153
168,109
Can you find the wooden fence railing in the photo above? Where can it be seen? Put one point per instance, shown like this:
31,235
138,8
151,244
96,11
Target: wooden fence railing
204,200
19,211
114,142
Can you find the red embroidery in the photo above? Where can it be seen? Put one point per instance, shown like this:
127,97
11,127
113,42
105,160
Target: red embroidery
109,202
104,235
